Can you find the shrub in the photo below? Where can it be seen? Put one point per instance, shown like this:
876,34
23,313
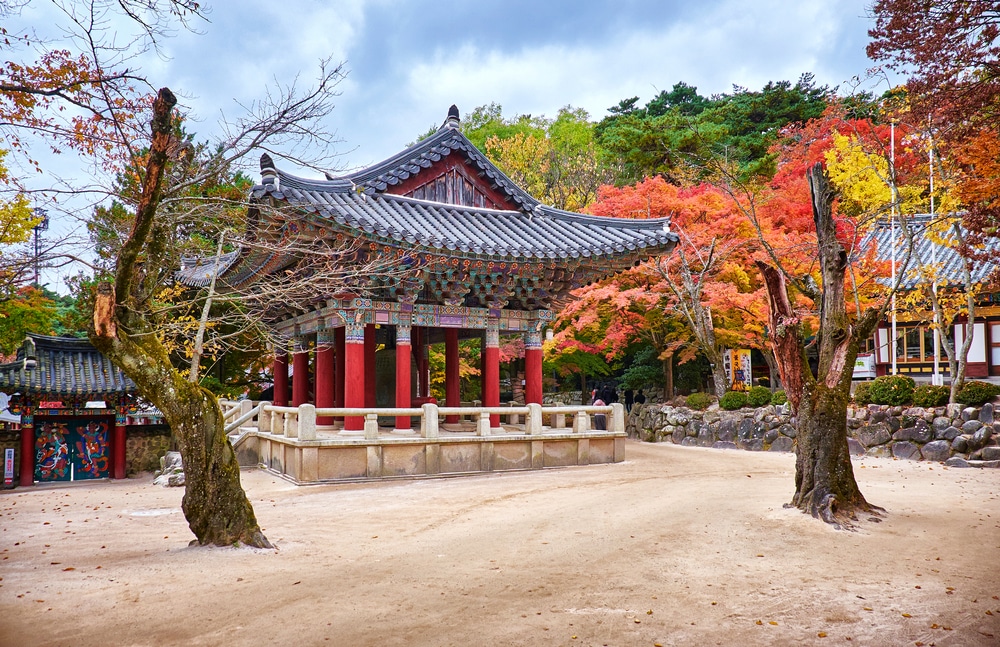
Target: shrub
863,393
975,393
779,397
894,390
733,400
930,395
699,401
759,396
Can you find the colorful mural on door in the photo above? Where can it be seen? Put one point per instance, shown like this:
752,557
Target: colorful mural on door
52,453
72,450
90,460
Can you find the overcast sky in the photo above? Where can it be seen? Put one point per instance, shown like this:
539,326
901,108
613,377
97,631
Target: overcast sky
408,61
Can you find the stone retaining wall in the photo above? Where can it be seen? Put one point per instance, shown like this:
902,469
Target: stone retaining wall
957,434
143,448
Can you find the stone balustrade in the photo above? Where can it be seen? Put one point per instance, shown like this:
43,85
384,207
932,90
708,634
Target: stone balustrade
288,440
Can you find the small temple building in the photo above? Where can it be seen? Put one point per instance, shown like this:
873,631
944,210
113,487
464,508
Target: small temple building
915,345
72,407
466,253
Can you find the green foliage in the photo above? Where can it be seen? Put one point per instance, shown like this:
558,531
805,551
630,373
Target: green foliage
863,394
699,401
679,126
779,397
975,393
221,390
29,310
646,369
733,400
759,396
894,390
488,121
931,395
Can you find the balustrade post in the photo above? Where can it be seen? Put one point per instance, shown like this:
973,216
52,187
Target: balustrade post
559,421
429,420
483,424
617,417
371,426
264,417
277,423
581,422
533,423
513,419
307,422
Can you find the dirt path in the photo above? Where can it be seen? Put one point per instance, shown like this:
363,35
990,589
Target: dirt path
675,546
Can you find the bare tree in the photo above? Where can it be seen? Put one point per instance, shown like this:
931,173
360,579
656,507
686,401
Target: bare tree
686,274
824,477
162,188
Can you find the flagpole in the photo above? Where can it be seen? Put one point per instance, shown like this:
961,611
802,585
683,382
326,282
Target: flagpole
937,378
893,349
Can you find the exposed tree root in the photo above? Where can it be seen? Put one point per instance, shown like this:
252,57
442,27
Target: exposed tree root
831,509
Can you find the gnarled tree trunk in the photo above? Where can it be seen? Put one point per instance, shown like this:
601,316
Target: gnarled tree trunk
824,477
217,509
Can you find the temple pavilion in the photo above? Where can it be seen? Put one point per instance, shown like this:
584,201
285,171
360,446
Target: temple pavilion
474,255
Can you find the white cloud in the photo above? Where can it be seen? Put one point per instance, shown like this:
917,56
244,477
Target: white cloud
729,45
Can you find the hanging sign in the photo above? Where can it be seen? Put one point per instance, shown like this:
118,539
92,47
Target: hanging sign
50,405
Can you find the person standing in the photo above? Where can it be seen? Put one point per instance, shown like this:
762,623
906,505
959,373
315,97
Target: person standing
640,398
628,400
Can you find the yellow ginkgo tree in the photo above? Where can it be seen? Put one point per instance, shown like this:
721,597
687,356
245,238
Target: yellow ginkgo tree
16,221
895,186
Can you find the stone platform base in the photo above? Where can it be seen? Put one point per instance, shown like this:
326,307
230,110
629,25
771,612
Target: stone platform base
335,460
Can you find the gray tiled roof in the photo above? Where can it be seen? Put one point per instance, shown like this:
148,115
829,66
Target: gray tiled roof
65,366
359,204
540,233
932,254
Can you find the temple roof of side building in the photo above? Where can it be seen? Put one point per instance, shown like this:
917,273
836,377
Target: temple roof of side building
63,366
377,204
929,253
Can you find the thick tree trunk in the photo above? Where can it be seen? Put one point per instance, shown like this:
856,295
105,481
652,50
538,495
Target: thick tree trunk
720,381
824,477
215,506
668,378
217,509
825,485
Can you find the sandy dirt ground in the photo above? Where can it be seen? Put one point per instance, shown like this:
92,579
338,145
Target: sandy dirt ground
674,546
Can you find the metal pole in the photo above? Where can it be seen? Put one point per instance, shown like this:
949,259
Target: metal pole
892,216
42,225
36,258
936,379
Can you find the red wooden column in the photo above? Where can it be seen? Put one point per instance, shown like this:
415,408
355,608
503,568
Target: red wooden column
27,471
533,367
338,342
491,371
325,375
354,374
370,365
118,447
280,378
300,375
420,350
403,376
452,385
